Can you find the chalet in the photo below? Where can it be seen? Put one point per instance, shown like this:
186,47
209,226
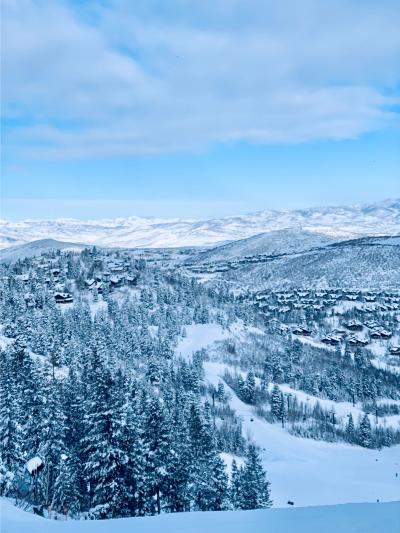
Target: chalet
351,297
320,294
118,269
362,342
131,280
355,341
90,283
385,334
354,326
63,298
376,335
116,281
394,350
370,298
301,331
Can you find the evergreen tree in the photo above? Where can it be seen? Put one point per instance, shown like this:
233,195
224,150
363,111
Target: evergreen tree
365,432
236,486
66,496
255,488
351,430
277,404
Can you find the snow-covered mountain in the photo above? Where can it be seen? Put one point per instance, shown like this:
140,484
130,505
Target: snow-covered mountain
371,219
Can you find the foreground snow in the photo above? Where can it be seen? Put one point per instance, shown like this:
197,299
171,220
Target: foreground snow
365,518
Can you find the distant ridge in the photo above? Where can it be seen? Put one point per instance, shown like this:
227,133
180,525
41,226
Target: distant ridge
382,218
36,248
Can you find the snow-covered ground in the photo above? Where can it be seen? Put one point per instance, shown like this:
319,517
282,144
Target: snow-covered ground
305,471
356,518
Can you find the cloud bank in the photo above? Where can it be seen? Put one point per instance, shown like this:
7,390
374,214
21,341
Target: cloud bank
89,81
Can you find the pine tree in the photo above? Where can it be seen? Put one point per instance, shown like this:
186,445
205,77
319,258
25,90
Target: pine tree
250,387
365,432
255,488
156,439
235,490
351,430
221,392
277,404
66,495
10,434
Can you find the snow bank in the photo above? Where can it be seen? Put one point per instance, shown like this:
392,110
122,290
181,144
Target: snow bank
351,518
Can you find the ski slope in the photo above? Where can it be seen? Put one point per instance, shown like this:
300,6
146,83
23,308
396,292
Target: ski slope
304,471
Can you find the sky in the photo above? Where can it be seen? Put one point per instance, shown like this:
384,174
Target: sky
184,109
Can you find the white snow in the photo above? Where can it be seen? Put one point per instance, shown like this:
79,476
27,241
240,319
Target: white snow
356,518
200,336
33,464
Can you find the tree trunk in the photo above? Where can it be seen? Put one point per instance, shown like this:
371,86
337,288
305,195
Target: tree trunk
158,502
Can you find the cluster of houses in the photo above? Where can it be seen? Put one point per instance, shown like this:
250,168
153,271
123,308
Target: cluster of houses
285,301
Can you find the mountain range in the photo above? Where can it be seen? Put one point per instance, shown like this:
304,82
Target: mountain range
336,223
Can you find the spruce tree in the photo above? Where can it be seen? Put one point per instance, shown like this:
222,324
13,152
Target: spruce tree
255,488
351,430
365,432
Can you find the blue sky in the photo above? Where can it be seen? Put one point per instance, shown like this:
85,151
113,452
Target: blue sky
182,109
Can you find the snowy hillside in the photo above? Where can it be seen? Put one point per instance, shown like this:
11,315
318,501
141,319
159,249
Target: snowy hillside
351,264
36,248
376,219
276,242
368,518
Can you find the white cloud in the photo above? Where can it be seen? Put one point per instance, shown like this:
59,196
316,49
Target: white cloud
136,82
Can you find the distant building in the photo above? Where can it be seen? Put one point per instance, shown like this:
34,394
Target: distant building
63,298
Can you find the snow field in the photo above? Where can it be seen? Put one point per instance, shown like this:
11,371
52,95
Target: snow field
353,518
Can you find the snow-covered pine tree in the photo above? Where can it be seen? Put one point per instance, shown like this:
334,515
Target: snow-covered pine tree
365,432
351,430
255,487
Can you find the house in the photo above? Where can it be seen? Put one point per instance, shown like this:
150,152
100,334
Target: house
301,331
116,281
63,298
354,326
355,341
333,341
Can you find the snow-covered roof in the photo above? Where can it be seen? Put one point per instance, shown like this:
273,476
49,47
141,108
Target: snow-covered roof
33,464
